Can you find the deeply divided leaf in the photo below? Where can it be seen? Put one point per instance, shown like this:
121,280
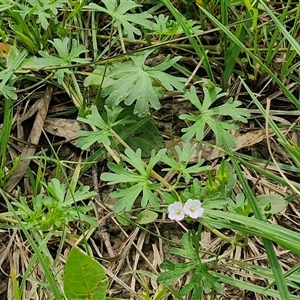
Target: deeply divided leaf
133,81
212,116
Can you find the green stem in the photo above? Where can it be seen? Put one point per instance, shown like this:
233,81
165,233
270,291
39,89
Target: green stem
8,220
153,173
222,236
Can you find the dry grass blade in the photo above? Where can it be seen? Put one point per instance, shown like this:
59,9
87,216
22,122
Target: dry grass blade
34,138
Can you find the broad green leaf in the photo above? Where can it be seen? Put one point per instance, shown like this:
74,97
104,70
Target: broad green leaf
129,195
56,190
214,201
98,77
149,196
88,138
154,159
82,193
146,217
7,75
123,219
168,198
37,63
135,85
84,277
277,204
147,137
174,271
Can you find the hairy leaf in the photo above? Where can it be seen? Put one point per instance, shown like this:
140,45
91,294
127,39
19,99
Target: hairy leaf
133,81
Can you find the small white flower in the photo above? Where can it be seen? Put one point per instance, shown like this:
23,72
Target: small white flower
176,211
193,208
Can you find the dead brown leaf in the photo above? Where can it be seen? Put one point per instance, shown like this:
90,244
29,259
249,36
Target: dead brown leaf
204,150
66,128
34,138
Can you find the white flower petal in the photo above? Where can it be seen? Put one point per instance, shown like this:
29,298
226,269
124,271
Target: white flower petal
193,208
176,211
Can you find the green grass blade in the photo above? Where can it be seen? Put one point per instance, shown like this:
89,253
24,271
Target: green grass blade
276,40
285,237
233,53
264,172
36,250
16,64
231,50
251,287
195,41
282,28
33,262
5,131
264,113
256,59
279,278
287,66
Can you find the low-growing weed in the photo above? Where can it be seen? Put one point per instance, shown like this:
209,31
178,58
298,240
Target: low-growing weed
123,64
